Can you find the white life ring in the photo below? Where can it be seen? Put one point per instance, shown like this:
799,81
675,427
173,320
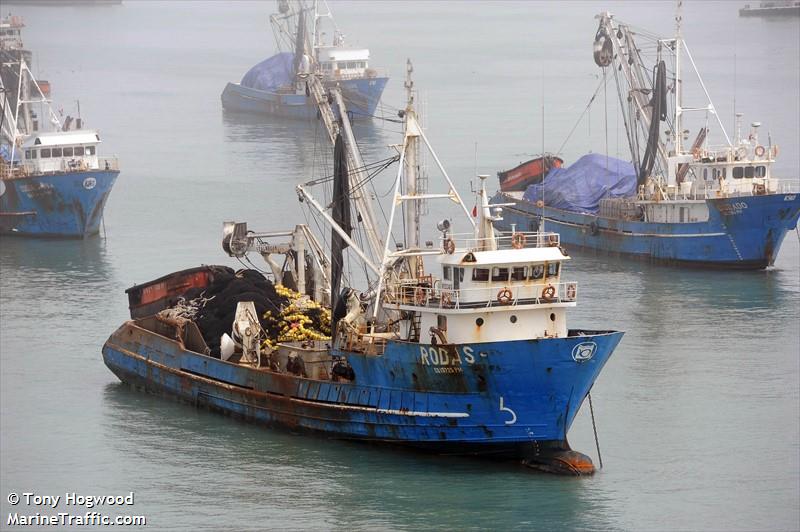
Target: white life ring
760,151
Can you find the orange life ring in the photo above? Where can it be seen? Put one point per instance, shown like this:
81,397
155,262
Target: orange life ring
572,290
518,240
549,292
760,151
419,296
449,246
504,296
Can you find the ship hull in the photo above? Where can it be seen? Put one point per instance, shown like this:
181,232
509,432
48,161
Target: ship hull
361,95
773,11
64,205
509,400
743,232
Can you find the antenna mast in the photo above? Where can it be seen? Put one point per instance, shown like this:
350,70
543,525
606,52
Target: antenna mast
412,152
678,133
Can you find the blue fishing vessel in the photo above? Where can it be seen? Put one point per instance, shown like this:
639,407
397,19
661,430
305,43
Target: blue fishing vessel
52,183
457,348
278,85
693,204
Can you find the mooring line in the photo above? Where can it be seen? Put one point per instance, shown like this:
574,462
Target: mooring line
594,428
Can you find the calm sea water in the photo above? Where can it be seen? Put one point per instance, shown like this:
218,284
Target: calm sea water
698,411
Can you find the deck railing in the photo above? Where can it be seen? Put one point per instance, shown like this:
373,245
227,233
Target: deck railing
733,188
517,240
77,164
484,297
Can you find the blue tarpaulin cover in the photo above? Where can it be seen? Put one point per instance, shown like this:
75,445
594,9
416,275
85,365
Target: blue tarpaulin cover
271,73
580,186
5,153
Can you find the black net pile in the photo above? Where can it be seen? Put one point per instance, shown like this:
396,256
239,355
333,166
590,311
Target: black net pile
283,314
215,318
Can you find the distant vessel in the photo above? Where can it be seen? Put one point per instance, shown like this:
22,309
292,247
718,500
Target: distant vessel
59,3
528,173
694,204
461,348
771,9
52,183
277,86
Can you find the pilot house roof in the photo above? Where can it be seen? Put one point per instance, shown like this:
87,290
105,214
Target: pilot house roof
506,256
58,138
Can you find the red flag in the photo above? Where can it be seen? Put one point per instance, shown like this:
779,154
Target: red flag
475,211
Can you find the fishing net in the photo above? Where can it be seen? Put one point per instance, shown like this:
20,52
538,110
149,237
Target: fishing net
285,315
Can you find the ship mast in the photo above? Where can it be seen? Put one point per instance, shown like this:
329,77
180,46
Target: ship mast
677,130
411,126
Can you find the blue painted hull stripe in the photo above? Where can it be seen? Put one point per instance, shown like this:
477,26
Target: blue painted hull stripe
626,233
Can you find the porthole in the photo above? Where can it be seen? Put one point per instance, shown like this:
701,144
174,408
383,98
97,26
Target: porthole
552,317
513,319
479,322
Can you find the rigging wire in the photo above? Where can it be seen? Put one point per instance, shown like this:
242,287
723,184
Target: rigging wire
351,171
588,105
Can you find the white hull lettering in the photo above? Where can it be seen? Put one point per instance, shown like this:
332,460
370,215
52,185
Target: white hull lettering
440,356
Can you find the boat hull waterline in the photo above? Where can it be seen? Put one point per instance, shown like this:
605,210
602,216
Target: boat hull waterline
362,96
506,400
66,205
743,232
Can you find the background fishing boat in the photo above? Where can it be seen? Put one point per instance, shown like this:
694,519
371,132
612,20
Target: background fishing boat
772,9
277,86
52,180
695,204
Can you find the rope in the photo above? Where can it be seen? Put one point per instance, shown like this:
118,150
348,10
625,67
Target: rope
594,428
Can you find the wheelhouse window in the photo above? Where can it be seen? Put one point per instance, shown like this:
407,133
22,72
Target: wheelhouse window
748,171
537,271
28,154
738,172
78,150
552,269
519,273
480,274
499,274
45,152
68,152
56,152
446,275
89,150
761,171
